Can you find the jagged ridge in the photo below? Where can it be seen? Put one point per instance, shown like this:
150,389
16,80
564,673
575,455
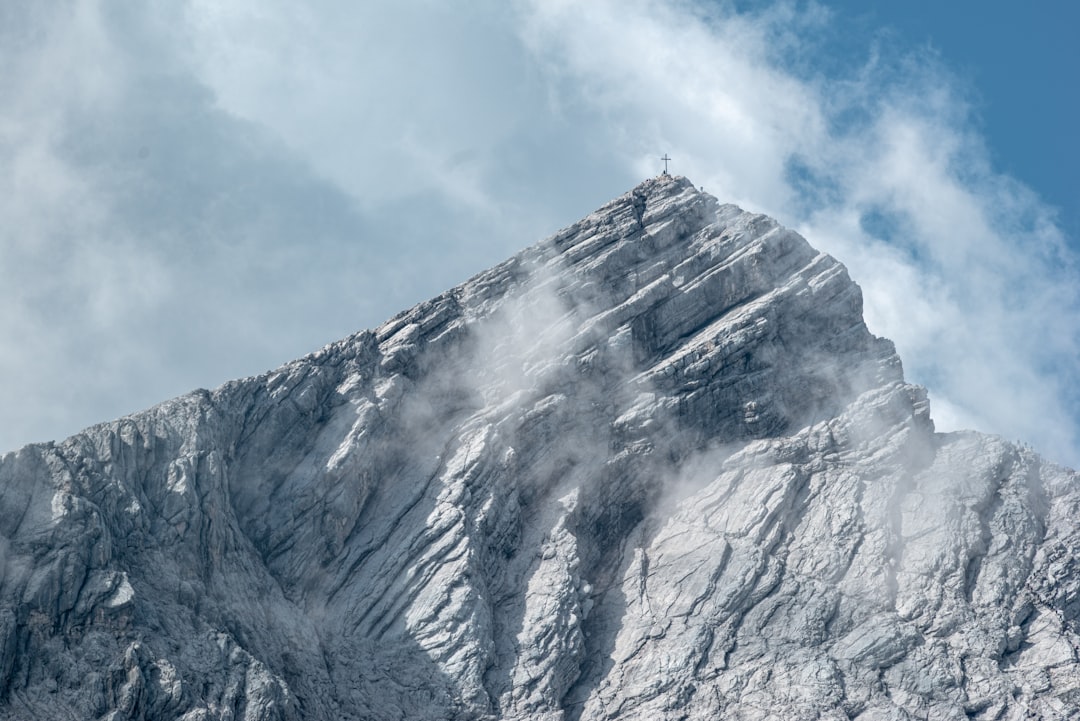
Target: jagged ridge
653,467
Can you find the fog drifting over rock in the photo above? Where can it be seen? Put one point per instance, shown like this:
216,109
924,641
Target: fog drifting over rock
653,467
196,191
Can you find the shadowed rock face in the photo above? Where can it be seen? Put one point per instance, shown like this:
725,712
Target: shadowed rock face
654,467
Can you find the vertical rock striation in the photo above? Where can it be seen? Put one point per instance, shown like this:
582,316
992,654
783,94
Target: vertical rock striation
654,467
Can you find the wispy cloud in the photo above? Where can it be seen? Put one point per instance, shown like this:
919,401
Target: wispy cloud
197,191
144,247
963,267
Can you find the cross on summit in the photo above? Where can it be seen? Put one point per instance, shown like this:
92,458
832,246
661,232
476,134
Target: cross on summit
665,159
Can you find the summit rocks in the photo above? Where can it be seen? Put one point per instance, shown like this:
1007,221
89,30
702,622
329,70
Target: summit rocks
654,467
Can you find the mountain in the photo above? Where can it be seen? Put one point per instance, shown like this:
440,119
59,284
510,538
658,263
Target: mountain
653,467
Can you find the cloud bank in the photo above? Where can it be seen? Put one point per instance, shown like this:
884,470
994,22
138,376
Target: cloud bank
201,190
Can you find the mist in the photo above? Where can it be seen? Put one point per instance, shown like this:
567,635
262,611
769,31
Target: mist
199,192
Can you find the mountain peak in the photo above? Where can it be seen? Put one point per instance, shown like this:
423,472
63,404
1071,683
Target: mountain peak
653,466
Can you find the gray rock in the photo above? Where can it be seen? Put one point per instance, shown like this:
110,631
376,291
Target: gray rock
654,467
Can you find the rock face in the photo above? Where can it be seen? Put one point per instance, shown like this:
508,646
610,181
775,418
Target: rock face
654,467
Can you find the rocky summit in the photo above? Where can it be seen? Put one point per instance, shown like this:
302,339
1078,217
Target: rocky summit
653,467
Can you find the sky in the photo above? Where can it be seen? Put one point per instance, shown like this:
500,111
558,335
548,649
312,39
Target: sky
197,190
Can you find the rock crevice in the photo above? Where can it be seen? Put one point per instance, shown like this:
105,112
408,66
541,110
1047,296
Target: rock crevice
653,467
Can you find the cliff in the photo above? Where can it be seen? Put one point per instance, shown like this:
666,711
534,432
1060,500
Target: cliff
654,467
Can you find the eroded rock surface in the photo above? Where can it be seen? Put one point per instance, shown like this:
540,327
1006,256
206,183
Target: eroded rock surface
654,467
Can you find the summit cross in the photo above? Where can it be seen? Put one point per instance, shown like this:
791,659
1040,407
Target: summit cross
665,159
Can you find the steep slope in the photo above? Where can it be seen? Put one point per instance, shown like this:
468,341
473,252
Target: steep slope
654,467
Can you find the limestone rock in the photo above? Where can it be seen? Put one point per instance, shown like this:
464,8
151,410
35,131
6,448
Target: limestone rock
654,467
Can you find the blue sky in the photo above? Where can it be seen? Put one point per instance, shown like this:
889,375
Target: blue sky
1014,63
200,190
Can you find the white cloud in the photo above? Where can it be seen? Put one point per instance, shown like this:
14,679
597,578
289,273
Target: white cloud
970,284
261,177
664,78
67,277
382,99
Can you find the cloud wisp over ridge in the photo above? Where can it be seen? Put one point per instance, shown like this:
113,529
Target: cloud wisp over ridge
239,183
964,268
